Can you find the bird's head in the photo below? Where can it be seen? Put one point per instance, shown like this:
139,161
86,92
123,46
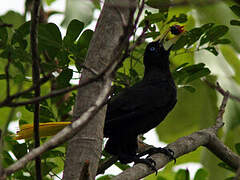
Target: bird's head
156,53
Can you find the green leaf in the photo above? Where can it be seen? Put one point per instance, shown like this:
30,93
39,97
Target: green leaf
47,167
235,22
162,5
74,29
161,178
214,33
194,35
20,35
84,40
201,73
19,150
212,50
154,18
230,178
217,32
236,10
45,114
189,88
182,18
49,2
207,26
221,41
181,42
50,39
63,58
2,76
14,18
52,154
226,166
3,35
7,159
190,73
201,174
182,175
237,147
64,78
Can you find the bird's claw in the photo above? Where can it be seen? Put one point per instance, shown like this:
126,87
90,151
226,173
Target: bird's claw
167,151
149,162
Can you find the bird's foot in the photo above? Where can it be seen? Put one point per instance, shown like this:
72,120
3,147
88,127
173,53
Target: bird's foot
123,158
148,161
167,151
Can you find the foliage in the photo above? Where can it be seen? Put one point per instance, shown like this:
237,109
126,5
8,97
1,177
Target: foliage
193,57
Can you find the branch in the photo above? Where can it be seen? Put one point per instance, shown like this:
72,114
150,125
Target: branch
36,79
9,99
218,88
52,94
175,4
5,25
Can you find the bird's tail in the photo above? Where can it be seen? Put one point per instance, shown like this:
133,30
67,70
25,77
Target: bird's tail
45,129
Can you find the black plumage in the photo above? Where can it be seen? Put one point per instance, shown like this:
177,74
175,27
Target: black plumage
141,107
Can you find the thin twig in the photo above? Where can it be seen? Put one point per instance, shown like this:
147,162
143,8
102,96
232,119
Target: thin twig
5,25
55,93
219,121
36,79
218,88
19,94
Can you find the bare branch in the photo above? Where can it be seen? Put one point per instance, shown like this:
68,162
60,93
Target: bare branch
5,25
55,93
221,90
36,79
223,152
219,121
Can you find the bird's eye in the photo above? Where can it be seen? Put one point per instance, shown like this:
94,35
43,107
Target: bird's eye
152,48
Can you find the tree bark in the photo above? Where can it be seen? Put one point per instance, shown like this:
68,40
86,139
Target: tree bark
110,38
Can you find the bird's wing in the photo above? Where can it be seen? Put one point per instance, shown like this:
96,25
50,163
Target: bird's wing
134,102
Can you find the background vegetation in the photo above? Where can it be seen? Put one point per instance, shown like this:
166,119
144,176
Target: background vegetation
208,51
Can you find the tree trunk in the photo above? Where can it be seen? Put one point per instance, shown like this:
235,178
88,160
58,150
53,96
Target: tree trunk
110,38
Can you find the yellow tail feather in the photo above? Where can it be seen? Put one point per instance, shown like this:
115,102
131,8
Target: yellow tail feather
45,129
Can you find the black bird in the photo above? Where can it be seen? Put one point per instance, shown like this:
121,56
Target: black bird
142,107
